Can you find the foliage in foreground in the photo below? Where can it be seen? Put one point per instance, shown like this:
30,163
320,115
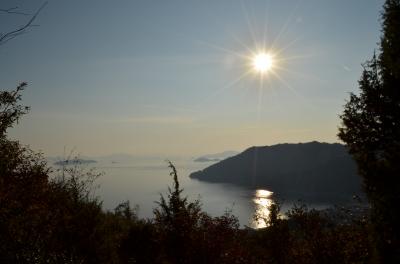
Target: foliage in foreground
58,220
47,219
371,130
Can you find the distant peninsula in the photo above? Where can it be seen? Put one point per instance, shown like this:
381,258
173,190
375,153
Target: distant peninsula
300,170
205,159
74,162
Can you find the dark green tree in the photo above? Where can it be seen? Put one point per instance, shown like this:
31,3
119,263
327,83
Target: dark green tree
186,234
44,218
10,109
371,129
177,218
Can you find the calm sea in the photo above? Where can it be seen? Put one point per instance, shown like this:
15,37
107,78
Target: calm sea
142,183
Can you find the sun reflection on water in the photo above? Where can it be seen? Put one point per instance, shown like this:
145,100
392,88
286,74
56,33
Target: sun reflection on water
262,201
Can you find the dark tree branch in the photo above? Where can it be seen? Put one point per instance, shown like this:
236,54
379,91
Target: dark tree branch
13,11
11,38
12,34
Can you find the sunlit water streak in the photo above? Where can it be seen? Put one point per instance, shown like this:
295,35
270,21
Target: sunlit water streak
262,202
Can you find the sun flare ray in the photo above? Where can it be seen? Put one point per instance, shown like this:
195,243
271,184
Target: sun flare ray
261,57
225,87
248,21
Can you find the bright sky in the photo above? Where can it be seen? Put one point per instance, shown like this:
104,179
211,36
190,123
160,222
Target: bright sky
166,77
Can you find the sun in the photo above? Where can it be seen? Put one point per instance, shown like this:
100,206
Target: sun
263,62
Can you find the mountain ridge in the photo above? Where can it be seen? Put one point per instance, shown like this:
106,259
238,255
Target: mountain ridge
314,168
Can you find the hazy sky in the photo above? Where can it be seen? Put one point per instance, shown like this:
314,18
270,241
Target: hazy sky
166,77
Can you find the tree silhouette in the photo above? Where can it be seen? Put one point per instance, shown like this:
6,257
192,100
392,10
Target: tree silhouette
371,130
10,110
177,217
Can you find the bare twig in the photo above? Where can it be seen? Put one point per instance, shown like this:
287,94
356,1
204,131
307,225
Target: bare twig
12,34
13,11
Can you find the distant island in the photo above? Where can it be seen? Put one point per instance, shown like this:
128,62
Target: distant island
216,157
314,169
205,159
74,162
